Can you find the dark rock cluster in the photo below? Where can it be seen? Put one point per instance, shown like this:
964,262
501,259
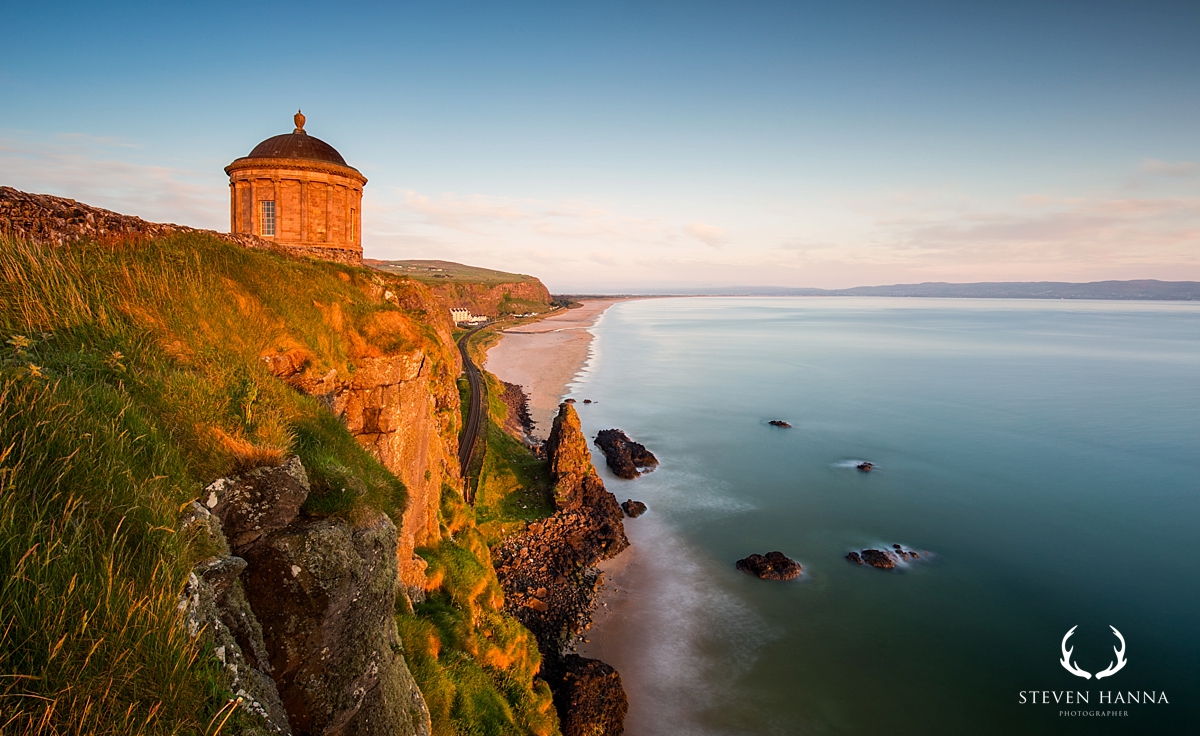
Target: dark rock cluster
626,458
633,509
779,423
551,584
771,566
884,559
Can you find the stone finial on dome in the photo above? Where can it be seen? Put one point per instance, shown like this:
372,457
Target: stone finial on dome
299,118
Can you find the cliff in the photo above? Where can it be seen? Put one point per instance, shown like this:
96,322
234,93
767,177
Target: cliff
549,572
143,375
483,291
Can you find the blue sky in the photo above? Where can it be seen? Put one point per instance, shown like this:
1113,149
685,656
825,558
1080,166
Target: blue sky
623,146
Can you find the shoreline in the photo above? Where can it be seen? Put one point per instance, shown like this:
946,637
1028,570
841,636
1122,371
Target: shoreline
544,357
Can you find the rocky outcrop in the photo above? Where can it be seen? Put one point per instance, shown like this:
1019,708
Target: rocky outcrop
215,607
551,584
771,566
884,559
320,596
44,218
779,423
865,467
397,407
626,458
517,421
590,698
633,509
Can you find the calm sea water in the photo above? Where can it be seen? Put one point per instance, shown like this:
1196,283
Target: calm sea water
1046,452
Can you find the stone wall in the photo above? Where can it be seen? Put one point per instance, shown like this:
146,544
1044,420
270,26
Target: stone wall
44,218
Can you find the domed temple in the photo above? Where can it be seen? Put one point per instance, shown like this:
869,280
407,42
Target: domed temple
299,192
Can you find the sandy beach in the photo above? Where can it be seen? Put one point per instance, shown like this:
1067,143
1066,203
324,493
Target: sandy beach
545,356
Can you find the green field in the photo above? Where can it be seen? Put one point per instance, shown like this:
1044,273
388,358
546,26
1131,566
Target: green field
440,272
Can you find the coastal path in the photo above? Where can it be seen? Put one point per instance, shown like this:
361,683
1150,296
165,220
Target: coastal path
474,423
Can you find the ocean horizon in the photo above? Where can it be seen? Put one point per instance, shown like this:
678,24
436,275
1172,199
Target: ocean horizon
1041,455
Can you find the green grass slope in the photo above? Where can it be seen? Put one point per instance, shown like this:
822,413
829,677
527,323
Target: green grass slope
131,375
435,272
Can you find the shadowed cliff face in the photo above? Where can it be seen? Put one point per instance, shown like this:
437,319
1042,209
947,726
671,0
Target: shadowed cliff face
318,637
551,583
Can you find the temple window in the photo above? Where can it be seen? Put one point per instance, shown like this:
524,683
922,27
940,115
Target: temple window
268,217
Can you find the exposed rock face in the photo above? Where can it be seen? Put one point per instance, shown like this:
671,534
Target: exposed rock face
518,422
633,509
394,406
771,566
628,459
551,583
591,698
215,606
324,592
44,218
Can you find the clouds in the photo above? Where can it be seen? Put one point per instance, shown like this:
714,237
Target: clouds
1162,168
105,172
639,242
710,235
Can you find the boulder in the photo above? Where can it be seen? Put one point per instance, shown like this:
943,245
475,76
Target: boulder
865,467
590,700
633,509
779,423
771,566
626,458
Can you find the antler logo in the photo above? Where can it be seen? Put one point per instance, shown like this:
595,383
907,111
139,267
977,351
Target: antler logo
1075,669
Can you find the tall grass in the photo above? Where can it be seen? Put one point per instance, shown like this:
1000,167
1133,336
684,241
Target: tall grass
130,376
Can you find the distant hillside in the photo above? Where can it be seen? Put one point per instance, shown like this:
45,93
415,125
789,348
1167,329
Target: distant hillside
435,272
482,290
1147,289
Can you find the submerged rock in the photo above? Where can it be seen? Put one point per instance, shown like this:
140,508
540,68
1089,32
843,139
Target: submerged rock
633,509
626,458
771,566
883,559
779,423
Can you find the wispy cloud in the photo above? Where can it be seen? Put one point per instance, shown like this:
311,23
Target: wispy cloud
100,171
1163,168
709,234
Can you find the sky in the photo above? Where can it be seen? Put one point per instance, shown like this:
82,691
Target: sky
628,146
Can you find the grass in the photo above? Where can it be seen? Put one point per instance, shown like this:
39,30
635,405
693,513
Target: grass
130,376
440,272
475,664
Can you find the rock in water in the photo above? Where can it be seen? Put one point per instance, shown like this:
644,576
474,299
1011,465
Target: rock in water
883,559
771,566
779,423
633,509
865,467
628,459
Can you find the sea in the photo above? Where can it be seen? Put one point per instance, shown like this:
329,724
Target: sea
1043,456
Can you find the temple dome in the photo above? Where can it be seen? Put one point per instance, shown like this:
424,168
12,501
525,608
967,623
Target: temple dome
299,145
